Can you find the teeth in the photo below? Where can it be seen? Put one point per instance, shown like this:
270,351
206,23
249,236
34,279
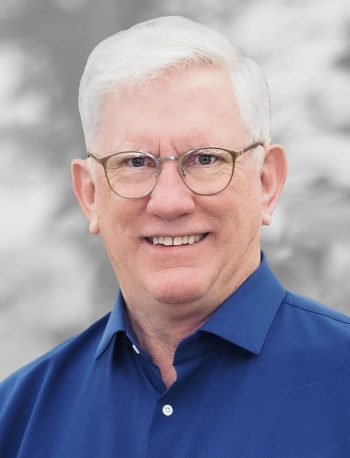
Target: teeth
176,241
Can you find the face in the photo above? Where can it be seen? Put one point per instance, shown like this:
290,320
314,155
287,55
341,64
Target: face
189,109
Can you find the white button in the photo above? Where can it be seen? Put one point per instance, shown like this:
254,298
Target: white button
136,349
167,410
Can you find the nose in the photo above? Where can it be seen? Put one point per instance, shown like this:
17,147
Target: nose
170,198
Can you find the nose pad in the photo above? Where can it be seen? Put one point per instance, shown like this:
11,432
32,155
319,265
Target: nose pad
170,198
180,170
170,173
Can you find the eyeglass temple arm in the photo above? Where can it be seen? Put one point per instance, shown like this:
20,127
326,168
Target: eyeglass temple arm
98,159
254,145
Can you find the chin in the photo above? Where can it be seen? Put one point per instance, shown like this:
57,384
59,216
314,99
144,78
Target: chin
177,297
177,291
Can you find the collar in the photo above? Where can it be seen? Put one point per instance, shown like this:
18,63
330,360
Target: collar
117,323
244,319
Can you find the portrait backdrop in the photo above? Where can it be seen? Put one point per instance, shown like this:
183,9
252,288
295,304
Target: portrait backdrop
55,278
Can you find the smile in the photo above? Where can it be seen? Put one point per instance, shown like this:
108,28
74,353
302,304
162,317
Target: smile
176,241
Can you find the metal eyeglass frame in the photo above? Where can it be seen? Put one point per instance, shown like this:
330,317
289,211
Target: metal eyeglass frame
182,172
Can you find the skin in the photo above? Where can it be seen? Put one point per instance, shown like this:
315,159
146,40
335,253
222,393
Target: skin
171,291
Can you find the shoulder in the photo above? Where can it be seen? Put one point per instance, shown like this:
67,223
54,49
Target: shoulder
74,352
307,324
308,348
313,310
44,386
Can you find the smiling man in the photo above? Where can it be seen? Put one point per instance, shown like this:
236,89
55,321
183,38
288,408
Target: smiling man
205,353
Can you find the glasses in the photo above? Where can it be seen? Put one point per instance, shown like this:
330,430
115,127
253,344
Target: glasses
205,171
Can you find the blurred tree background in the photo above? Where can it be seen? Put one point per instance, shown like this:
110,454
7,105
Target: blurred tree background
55,278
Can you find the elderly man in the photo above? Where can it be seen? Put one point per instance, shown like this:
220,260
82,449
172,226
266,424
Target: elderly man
205,353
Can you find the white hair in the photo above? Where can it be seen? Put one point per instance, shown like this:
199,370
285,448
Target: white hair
147,51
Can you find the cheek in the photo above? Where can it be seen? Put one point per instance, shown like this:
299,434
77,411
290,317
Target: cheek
242,208
119,219
247,188
109,212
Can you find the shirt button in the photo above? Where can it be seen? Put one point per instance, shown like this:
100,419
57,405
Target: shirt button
167,410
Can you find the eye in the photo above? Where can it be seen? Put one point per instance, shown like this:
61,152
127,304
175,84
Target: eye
136,161
205,159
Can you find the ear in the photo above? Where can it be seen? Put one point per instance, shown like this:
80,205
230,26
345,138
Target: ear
84,190
273,176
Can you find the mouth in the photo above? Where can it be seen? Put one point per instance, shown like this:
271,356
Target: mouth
176,241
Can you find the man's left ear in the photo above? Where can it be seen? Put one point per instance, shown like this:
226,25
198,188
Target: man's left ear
273,176
84,190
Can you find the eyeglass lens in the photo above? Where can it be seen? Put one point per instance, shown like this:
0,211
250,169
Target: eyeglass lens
204,171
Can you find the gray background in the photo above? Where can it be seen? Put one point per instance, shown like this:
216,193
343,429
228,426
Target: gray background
55,279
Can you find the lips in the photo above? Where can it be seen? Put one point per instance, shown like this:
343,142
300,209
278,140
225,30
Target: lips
176,241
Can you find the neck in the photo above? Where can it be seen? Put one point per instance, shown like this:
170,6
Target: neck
160,327
160,338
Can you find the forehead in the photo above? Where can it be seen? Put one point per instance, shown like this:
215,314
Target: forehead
187,108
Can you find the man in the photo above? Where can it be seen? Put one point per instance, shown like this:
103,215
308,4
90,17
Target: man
205,354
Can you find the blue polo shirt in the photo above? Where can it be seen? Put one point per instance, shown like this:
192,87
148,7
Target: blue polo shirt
267,376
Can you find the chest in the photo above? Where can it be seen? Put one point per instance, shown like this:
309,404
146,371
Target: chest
223,404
